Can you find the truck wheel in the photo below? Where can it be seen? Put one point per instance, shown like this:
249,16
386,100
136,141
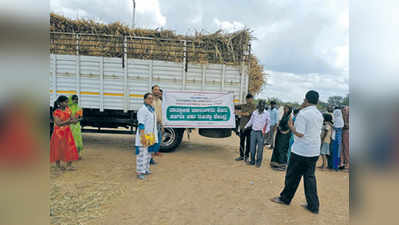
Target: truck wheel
171,139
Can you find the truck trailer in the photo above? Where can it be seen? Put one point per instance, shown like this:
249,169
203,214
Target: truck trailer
111,87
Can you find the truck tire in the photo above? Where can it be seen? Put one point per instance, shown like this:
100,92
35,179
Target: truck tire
171,139
215,132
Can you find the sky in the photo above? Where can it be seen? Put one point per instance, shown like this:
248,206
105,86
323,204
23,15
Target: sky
302,45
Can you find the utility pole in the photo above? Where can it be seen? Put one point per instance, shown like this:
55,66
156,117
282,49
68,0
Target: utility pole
134,14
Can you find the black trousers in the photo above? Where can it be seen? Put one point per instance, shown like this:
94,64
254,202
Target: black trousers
245,142
299,166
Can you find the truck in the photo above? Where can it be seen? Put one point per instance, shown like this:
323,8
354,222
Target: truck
111,87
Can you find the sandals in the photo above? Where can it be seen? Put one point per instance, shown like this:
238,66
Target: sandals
71,168
274,164
278,168
310,210
278,200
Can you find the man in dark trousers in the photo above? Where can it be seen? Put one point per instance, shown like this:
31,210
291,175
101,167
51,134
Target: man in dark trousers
304,154
245,134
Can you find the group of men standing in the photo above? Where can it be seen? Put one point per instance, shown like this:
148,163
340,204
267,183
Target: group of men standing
256,122
257,129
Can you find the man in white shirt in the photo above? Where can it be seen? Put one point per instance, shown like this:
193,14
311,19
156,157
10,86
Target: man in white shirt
337,139
269,140
304,154
259,122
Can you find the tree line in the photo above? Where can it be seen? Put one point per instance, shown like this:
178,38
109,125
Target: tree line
322,106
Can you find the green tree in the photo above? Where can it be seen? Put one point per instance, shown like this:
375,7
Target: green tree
346,100
322,106
335,100
294,105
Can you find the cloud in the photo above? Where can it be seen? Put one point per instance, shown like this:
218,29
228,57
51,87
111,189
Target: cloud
228,26
291,35
151,7
292,87
148,13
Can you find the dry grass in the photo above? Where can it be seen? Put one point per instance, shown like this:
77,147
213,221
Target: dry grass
82,201
218,47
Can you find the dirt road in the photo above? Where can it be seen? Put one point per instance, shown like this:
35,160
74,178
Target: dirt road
199,184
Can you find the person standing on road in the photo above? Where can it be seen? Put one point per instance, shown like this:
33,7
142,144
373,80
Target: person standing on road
304,155
330,110
326,138
273,124
283,135
337,142
245,134
146,136
296,111
77,113
259,122
345,140
157,104
62,144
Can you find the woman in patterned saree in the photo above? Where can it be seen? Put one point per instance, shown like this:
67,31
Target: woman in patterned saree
77,113
62,144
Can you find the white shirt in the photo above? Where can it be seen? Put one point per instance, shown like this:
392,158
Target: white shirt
338,119
148,119
259,121
309,122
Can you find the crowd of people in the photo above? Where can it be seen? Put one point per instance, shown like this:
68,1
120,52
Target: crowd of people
259,122
297,139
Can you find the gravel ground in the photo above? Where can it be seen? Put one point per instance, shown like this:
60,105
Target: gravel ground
199,184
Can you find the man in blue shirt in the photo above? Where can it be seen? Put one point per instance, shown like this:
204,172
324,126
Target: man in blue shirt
269,140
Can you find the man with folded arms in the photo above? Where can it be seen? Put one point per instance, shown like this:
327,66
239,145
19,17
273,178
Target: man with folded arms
245,134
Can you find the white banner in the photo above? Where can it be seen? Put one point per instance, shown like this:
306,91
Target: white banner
198,109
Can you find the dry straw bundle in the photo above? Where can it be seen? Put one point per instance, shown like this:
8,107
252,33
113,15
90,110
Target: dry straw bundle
98,39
